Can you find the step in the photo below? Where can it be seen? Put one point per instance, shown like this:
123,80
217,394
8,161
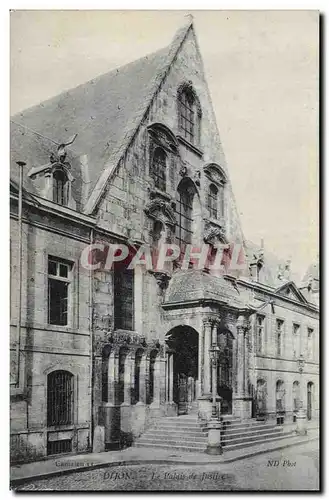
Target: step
249,430
181,428
236,446
171,447
245,426
162,433
247,439
180,442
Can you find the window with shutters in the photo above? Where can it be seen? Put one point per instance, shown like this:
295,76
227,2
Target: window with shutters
295,339
260,320
59,280
59,398
124,299
279,337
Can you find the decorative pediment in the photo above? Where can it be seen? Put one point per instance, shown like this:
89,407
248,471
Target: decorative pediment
163,136
215,173
291,291
161,210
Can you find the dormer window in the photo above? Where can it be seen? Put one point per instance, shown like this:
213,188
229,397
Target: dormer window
216,191
158,169
189,115
60,187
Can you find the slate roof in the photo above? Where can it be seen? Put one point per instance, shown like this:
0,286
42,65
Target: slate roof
105,112
193,285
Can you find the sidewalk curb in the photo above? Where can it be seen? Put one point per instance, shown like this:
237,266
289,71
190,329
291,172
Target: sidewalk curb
165,461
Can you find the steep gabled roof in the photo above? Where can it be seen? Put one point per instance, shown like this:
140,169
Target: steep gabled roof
105,112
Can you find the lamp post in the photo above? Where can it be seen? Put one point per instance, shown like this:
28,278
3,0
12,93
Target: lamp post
301,413
214,446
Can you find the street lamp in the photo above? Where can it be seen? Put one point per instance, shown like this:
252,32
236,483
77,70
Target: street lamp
214,445
213,351
301,414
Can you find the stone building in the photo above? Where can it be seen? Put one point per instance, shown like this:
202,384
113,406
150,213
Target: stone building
134,158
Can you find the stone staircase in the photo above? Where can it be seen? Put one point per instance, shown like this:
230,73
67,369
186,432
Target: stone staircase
185,433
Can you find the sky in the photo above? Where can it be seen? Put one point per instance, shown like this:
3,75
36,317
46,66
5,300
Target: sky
262,71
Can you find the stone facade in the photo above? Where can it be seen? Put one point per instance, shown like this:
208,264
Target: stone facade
125,378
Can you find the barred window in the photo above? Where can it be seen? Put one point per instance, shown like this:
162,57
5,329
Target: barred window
189,116
123,298
184,212
60,187
59,277
59,398
259,333
158,168
213,201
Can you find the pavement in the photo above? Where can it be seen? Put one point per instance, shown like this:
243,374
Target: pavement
48,468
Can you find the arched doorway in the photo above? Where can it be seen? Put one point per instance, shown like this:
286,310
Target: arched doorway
183,340
310,388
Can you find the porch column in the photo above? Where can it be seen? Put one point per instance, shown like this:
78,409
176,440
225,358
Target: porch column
143,378
242,401
207,326
129,378
113,376
171,377
200,363
156,383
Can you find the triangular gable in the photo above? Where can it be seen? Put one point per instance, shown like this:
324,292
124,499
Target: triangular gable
136,120
291,291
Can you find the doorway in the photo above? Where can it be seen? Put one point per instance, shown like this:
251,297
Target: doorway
184,342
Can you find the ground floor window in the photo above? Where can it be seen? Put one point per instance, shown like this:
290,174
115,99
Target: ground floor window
59,398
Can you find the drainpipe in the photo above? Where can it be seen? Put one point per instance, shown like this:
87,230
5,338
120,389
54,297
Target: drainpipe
91,305
21,164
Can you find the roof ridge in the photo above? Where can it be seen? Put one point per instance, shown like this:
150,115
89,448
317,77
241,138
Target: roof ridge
91,80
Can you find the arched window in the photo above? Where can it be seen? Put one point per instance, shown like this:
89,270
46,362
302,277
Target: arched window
261,397
310,394
184,210
213,201
59,398
189,115
295,396
158,168
60,187
280,396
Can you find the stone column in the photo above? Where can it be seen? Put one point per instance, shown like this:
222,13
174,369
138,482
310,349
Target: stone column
129,378
113,377
206,357
171,377
143,378
156,383
204,400
242,400
200,364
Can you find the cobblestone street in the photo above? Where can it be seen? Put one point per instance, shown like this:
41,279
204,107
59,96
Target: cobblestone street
296,468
